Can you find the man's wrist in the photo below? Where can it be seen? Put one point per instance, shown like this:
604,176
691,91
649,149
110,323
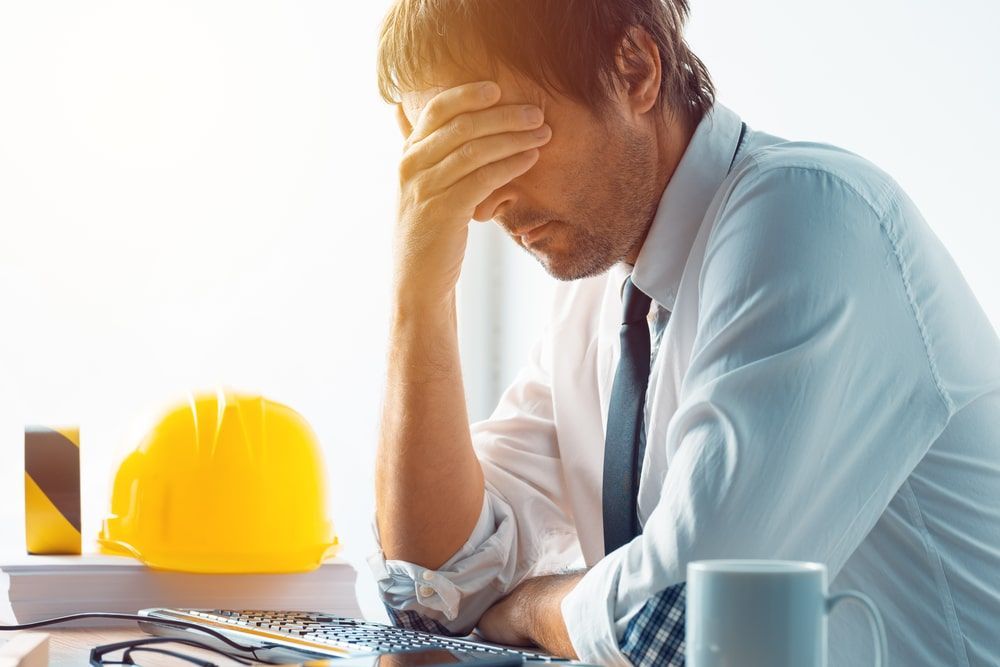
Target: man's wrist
414,303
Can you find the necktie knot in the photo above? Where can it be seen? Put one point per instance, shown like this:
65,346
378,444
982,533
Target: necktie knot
636,303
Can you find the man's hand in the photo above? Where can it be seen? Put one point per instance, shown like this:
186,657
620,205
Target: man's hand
461,148
531,615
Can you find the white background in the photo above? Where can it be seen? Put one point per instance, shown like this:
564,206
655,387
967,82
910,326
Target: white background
202,193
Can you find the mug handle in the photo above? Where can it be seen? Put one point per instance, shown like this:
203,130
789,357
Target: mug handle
874,620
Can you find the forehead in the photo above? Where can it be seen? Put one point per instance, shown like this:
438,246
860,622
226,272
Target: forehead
513,90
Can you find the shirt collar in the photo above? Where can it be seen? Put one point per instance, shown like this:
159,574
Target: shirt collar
685,200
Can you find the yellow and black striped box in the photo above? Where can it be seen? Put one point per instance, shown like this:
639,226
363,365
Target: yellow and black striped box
52,490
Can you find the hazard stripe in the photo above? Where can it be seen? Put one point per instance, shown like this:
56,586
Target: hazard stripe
52,460
46,530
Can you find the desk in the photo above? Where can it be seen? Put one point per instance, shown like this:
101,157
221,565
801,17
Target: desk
70,647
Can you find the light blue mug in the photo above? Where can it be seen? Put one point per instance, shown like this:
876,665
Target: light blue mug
764,613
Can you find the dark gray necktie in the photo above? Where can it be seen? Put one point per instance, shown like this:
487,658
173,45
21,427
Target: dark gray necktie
625,438
625,441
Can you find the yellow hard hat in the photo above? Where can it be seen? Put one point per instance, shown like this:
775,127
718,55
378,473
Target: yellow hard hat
224,482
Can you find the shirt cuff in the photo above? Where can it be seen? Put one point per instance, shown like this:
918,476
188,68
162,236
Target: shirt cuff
589,613
461,590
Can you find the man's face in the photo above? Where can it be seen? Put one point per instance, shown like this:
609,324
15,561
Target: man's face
588,201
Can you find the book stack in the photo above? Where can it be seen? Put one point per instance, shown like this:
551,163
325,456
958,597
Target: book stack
40,587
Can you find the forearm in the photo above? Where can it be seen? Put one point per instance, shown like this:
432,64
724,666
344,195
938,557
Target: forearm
545,621
531,615
429,484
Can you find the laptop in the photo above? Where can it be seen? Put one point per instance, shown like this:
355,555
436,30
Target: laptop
302,636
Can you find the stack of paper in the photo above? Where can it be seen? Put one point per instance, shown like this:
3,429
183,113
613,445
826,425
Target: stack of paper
39,587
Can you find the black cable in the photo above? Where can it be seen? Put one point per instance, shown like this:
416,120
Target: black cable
132,617
98,652
135,644
127,657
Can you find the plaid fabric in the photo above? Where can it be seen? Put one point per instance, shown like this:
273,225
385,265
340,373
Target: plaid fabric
655,636
411,620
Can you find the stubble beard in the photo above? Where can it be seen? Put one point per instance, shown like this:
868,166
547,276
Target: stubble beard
613,225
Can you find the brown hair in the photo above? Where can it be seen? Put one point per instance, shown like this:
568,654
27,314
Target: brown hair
568,47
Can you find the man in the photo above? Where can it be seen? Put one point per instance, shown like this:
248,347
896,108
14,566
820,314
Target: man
760,350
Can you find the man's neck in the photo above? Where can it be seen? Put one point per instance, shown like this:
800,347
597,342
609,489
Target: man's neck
673,134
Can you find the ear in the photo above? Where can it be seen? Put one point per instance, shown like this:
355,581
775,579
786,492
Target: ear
638,59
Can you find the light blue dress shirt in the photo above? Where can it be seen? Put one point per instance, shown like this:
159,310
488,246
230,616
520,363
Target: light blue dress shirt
827,389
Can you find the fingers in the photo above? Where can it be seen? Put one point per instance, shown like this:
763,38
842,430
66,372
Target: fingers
477,186
463,146
449,103
467,127
478,153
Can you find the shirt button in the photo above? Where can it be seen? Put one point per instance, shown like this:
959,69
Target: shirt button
427,575
425,591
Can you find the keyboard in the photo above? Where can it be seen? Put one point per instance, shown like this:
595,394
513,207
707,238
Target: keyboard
321,634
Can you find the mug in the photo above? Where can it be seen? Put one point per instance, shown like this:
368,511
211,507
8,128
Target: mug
764,613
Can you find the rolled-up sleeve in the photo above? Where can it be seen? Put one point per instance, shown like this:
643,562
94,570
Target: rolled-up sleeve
524,527
810,396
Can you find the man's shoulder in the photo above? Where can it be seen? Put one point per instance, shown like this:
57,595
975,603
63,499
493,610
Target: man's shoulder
815,168
805,208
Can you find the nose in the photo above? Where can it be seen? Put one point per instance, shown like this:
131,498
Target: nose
505,204
498,203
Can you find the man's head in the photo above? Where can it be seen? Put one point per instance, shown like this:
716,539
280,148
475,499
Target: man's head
616,82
